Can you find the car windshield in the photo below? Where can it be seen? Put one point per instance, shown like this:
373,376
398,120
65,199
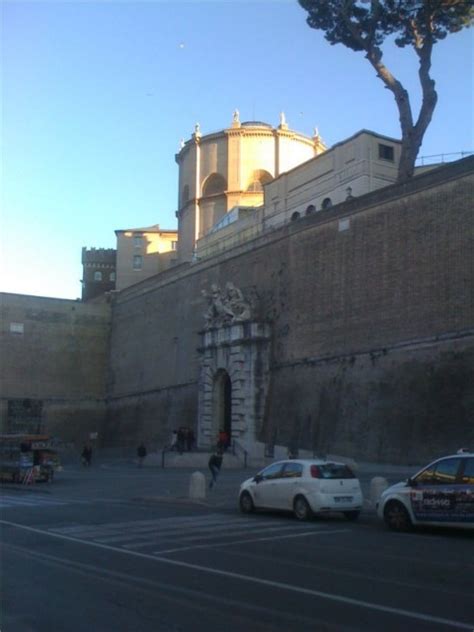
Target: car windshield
335,470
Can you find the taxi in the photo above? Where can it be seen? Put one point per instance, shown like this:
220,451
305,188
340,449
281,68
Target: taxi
441,494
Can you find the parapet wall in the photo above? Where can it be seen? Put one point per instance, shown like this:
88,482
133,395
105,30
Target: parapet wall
54,361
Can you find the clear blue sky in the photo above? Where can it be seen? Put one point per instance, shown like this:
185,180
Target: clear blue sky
97,95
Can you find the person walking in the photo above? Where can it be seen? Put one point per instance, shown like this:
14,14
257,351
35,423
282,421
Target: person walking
86,455
141,453
215,464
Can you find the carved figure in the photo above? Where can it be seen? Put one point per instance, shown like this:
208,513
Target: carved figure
239,307
235,116
225,309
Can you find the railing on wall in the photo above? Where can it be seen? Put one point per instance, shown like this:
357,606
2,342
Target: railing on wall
441,158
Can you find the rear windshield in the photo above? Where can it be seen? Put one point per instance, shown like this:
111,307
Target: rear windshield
333,470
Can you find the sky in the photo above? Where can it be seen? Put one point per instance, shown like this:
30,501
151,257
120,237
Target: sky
96,96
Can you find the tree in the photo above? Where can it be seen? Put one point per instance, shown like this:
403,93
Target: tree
363,25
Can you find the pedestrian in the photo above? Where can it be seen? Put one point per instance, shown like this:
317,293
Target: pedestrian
215,464
174,441
223,440
141,453
181,439
190,440
86,455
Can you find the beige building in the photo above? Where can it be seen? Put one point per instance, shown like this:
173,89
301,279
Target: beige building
229,168
363,163
143,252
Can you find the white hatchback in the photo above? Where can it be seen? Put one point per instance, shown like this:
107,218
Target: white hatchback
304,486
441,494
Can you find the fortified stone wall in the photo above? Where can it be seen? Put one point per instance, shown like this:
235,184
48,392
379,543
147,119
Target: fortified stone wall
53,368
372,311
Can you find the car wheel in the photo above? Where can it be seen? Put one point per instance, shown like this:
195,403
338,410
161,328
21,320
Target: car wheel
351,515
301,508
396,516
246,503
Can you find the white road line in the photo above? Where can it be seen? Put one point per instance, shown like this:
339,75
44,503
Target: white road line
459,625
29,502
211,535
250,540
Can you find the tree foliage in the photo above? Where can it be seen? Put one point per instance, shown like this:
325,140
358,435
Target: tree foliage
363,25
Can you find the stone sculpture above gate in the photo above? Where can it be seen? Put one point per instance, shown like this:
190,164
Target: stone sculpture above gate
225,308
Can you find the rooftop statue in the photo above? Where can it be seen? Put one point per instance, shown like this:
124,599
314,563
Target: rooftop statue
227,308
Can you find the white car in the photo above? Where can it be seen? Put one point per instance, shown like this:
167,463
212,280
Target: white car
441,494
304,486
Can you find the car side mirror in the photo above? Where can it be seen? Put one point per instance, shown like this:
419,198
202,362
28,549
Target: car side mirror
411,482
257,478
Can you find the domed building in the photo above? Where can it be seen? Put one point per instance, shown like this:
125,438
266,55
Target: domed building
228,168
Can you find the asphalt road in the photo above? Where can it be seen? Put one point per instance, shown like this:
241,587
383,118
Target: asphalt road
117,548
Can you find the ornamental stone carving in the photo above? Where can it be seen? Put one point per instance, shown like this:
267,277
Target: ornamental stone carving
225,308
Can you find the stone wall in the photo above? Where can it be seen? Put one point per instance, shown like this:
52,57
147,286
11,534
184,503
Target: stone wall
372,312
53,370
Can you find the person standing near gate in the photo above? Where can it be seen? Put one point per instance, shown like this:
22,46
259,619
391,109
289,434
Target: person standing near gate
215,464
141,453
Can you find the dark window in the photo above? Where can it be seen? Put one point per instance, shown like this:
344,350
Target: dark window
137,262
386,152
468,475
331,470
272,471
214,185
185,194
327,203
97,276
292,470
295,216
310,209
441,473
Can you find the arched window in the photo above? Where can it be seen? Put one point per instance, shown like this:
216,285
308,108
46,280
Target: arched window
310,209
185,194
295,216
97,275
327,203
259,178
112,276
214,185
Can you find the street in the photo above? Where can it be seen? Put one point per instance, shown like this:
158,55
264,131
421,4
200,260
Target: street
118,548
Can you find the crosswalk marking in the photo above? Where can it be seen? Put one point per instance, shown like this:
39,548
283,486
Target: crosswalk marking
29,501
166,535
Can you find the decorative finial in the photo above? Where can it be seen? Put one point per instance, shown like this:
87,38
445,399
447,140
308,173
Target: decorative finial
197,130
283,123
236,118
316,133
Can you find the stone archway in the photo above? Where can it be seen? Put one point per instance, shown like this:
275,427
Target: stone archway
233,382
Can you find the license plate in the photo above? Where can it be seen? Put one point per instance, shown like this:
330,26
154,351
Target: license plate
343,499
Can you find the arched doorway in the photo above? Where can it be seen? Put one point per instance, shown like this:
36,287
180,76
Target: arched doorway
222,399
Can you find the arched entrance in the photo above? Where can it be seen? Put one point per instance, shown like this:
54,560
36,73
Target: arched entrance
222,399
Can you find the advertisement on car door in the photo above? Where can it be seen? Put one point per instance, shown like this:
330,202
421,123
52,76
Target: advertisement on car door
444,504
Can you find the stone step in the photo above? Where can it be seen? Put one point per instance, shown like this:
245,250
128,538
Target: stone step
190,459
